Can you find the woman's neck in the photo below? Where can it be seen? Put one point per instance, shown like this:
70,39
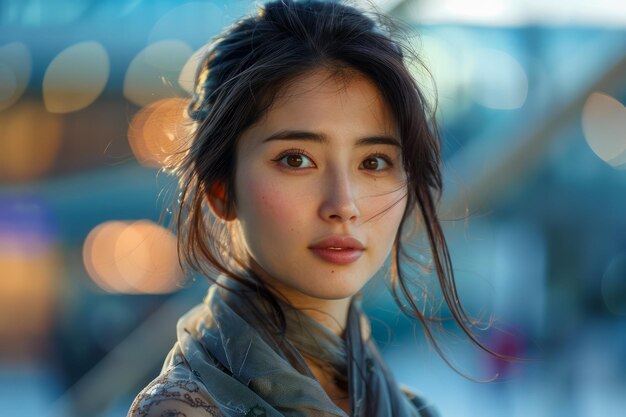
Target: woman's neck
332,314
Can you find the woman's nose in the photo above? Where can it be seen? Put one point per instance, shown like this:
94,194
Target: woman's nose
339,203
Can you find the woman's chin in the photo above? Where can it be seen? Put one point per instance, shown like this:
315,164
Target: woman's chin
333,291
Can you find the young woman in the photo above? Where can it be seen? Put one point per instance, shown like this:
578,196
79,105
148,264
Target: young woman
313,150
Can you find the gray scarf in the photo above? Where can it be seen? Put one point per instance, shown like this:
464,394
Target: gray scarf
251,372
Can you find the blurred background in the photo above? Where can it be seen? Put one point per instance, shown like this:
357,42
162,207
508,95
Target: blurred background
531,105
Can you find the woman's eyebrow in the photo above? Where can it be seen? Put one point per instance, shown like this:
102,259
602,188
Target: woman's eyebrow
322,138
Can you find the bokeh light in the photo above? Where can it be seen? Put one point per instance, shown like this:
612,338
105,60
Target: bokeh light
187,75
153,73
604,126
76,77
15,70
498,80
99,257
132,257
30,139
147,258
159,131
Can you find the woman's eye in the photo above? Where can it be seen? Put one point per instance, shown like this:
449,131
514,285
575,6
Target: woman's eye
375,163
296,160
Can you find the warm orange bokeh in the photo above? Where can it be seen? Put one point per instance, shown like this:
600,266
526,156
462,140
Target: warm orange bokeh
159,131
30,138
28,294
137,257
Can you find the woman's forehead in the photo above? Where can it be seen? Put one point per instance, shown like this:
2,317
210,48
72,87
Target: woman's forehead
325,84
329,99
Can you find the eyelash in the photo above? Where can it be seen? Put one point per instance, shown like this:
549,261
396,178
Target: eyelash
302,152
291,152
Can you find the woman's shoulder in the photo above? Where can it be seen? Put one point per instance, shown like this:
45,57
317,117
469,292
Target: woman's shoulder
176,392
424,408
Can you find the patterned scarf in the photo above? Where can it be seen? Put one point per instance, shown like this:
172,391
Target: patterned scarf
249,371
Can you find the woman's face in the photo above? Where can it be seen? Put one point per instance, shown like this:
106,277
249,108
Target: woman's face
320,188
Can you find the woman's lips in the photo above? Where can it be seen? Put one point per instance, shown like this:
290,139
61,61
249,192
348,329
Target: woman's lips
338,249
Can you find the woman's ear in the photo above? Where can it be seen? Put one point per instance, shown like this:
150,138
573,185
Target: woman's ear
216,195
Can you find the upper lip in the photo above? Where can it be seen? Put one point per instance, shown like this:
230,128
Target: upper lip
339,242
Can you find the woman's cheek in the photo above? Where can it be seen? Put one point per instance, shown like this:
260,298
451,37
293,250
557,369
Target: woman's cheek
272,206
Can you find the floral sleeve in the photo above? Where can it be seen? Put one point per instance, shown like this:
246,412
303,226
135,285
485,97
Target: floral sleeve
175,393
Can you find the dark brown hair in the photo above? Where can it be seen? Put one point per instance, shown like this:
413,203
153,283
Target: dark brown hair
237,81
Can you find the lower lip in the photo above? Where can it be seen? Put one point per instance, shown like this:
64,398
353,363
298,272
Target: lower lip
340,257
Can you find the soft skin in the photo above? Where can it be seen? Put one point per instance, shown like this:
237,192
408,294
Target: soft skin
293,192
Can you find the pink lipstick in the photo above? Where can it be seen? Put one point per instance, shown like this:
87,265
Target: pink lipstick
338,249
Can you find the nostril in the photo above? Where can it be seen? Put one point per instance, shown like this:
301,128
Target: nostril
339,217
